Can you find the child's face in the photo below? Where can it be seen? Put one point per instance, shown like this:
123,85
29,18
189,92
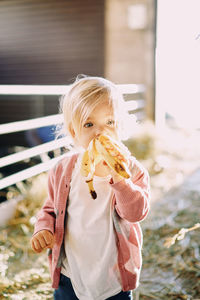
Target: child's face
100,121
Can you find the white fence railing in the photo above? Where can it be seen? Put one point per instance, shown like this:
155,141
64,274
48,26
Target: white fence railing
132,106
59,89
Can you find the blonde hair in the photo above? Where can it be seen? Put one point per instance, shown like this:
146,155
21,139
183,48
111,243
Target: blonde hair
84,95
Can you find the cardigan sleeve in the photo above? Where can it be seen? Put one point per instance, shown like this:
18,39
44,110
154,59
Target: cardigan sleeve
46,216
132,195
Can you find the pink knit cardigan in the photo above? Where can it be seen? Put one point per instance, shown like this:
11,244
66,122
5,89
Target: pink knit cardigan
130,205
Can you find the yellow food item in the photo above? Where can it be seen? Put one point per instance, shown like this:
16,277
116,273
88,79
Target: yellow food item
113,154
86,168
104,148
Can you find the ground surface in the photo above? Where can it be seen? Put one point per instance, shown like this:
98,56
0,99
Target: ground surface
168,273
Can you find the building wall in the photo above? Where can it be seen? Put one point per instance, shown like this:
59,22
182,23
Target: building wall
50,41
129,51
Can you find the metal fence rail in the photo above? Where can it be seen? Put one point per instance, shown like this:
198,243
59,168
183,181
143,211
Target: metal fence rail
30,124
59,89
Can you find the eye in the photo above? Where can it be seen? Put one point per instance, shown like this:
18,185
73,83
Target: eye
87,125
110,122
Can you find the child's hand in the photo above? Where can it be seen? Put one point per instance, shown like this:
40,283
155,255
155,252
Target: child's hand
115,176
42,240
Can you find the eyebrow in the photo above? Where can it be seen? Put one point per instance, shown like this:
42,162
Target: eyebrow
108,115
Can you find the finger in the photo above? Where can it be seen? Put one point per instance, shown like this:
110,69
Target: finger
50,245
48,237
41,241
36,246
45,238
32,245
111,171
107,166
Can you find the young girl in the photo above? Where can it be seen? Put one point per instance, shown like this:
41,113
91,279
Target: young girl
94,245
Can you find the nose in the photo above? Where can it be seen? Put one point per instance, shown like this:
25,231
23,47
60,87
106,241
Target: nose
99,130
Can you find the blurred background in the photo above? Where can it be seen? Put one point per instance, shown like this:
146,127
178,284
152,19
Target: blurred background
151,50
51,42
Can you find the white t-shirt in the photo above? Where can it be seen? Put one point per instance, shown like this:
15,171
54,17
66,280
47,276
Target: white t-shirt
90,243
